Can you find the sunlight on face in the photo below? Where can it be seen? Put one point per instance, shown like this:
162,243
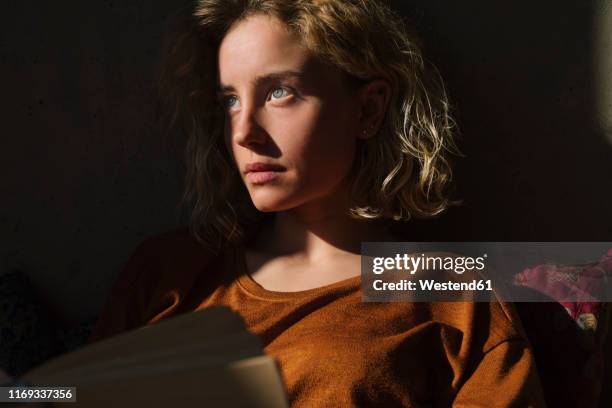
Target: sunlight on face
285,108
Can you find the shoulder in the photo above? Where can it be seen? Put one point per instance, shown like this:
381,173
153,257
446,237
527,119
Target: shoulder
489,354
160,257
159,267
467,312
178,241
485,324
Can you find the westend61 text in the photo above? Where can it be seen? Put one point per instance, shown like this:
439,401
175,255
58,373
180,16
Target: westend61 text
429,285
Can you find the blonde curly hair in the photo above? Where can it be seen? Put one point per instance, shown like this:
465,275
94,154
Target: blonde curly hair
404,171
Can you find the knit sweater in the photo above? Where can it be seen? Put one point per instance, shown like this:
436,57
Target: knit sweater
333,349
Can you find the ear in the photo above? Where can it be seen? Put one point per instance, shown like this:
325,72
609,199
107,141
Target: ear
374,100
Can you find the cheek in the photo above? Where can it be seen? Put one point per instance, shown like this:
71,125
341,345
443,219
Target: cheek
335,136
330,148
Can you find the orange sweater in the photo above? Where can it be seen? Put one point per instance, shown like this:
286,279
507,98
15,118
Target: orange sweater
333,349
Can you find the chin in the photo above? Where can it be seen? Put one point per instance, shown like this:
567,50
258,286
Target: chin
269,204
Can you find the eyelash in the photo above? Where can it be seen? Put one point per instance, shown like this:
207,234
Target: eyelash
285,88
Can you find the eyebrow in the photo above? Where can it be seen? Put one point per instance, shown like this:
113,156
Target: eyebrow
273,76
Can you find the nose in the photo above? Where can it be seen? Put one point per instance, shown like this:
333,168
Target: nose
247,131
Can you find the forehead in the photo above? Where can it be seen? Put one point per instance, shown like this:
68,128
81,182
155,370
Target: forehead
259,44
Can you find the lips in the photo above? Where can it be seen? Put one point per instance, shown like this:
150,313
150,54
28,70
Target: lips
258,167
261,173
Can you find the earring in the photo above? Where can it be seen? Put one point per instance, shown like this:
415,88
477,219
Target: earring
365,131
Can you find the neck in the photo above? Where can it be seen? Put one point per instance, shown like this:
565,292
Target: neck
321,229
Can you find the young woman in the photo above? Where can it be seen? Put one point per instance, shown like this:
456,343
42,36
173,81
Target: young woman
314,126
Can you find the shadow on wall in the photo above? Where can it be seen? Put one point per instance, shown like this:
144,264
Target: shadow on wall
527,84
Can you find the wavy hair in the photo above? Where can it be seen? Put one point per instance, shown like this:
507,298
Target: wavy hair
403,171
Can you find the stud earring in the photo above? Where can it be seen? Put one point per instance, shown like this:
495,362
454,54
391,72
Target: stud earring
365,131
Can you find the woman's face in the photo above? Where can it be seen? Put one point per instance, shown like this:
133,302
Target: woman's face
285,109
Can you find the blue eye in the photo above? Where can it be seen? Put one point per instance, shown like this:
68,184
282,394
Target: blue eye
276,94
229,98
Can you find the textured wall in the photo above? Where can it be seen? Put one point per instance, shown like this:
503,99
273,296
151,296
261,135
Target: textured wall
86,175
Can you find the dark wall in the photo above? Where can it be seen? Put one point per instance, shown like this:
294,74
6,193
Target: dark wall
86,174
523,77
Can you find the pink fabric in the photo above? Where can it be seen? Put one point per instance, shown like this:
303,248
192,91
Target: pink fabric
579,288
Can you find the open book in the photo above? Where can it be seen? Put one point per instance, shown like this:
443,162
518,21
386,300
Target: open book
205,358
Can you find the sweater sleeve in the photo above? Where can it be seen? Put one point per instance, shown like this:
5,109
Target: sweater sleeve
126,302
506,376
